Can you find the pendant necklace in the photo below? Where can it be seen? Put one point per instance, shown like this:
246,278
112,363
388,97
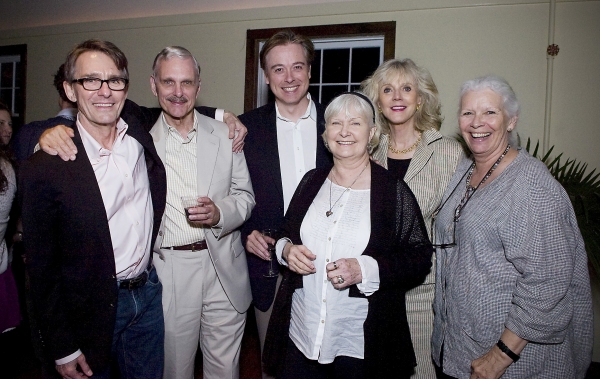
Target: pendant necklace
470,189
330,211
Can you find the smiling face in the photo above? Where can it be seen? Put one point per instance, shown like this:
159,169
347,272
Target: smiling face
348,133
398,100
5,127
101,107
484,124
288,75
176,86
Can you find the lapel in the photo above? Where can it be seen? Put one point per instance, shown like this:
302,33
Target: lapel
422,154
271,150
159,136
207,150
82,170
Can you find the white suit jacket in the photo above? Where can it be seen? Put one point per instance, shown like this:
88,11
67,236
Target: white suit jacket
224,176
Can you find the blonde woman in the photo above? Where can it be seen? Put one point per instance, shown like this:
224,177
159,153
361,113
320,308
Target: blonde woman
412,148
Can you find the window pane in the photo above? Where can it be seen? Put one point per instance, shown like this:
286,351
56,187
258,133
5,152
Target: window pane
329,92
315,68
6,75
6,97
18,83
364,61
18,104
335,65
314,93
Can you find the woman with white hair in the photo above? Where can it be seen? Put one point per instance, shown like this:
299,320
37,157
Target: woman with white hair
354,243
512,288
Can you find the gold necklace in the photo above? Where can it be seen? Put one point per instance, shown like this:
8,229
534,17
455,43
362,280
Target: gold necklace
330,212
407,150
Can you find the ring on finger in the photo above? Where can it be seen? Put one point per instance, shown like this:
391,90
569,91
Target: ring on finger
340,280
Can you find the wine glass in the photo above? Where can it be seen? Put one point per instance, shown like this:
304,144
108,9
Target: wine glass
271,249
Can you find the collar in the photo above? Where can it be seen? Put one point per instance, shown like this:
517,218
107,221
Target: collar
93,149
311,111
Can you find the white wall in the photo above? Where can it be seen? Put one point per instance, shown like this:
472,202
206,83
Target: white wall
455,39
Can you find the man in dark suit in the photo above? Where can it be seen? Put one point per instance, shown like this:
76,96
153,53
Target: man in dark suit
283,142
28,135
90,226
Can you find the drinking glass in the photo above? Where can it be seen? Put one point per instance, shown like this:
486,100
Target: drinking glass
271,249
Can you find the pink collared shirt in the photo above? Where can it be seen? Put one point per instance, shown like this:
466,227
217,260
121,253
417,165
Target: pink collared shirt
123,180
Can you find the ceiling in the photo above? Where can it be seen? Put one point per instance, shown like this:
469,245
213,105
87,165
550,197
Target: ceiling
18,14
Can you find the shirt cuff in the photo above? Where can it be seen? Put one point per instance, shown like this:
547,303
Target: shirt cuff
369,269
68,358
279,250
219,114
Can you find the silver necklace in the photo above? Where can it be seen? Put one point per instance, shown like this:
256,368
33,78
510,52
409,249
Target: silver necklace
330,211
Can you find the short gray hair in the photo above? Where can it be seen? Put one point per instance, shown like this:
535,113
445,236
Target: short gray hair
347,101
174,51
499,85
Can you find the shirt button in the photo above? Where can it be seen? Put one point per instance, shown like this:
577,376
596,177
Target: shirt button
335,222
322,321
324,300
329,239
126,175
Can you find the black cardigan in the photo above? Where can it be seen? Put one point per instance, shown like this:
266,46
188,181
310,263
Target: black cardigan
399,244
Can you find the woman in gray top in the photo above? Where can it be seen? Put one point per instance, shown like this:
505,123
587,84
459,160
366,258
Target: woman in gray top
512,287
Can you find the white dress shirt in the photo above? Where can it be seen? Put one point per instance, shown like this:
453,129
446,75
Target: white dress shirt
297,145
326,322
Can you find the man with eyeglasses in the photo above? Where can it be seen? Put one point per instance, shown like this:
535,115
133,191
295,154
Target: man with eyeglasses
90,225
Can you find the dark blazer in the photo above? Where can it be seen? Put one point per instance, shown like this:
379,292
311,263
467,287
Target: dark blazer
70,259
262,157
398,243
29,135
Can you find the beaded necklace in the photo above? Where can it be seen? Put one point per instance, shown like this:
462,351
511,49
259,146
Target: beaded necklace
470,189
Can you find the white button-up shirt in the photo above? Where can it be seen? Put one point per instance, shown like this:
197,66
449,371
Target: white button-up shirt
297,145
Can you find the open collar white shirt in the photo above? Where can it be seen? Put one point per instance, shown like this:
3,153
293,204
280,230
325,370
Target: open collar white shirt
297,146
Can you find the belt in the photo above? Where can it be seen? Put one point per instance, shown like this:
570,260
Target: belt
196,246
134,283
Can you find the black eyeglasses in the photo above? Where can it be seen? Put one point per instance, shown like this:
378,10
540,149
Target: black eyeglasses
94,84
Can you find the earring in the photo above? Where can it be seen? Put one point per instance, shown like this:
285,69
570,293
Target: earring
327,146
369,147
509,130
379,108
418,106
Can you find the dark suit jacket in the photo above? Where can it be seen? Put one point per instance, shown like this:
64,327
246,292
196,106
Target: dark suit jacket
262,157
28,135
70,259
398,243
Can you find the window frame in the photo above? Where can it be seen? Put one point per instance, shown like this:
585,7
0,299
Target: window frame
21,51
255,36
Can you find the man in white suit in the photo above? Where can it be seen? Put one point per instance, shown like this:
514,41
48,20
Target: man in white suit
200,260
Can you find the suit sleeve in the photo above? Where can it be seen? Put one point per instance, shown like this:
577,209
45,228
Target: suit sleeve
237,206
41,224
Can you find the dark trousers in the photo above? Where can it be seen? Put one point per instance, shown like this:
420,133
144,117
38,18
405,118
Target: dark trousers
297,366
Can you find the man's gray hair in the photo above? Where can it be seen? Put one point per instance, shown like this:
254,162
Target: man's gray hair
174,51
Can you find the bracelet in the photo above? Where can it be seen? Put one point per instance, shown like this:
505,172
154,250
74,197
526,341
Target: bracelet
507,351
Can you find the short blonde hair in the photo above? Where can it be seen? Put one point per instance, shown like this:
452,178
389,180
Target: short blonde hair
429,115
